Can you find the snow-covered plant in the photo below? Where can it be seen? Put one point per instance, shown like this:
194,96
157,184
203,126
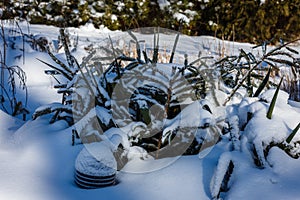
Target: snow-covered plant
221,179
293,133
244,69
290,146
9,86
149,92
275,131
234,131
13,90
249,135
142,96
156,93
68,71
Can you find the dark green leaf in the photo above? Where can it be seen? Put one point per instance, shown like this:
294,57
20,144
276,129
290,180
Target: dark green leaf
272,105
293,133
263,84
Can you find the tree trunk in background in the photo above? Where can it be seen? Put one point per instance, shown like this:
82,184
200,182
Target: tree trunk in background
295,91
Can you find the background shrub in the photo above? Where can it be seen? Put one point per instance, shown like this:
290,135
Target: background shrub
251,21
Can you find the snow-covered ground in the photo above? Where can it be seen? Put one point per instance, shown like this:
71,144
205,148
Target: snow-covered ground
37,162
37,159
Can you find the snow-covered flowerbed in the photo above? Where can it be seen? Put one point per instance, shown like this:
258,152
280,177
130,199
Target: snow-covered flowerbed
38,160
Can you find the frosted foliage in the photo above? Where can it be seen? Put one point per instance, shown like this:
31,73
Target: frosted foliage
296,150
103,92
219,174
51,106
180,16
163,4
82,95
136,152
243,109
234,132
201,135
142,104
116,136
194,117
103,114
84,121
135,129
259,131
258,145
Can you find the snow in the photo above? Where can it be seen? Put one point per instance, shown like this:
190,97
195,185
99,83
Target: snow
117,136
180,16
39,162
8,126
295,104
41,166
114,17
163,4
96,159
221,170
270,183
199,116
284,119
103,114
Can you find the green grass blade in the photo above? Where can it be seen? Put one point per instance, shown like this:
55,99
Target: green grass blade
272,105
156,46
174,48
293,133
263,84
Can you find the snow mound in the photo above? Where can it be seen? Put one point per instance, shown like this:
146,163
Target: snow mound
8,126
268,95
96,160
277,129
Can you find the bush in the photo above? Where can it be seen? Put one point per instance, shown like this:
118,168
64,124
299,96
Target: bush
248,21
